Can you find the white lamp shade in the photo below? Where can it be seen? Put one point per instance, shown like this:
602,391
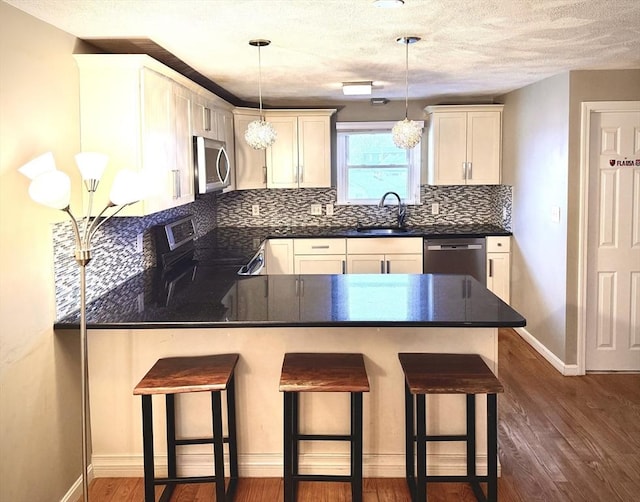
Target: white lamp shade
260,134
35,167
51,189
126,188
91,164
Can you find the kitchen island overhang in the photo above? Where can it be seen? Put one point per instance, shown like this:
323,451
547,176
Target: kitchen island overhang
120,354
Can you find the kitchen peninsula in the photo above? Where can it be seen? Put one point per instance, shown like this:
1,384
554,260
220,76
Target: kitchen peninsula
261,318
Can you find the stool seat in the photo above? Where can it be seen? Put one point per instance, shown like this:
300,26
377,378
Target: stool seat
177,375
323,372
448,374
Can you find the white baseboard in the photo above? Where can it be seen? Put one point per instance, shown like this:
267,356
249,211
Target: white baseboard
75,492
270,465
555,361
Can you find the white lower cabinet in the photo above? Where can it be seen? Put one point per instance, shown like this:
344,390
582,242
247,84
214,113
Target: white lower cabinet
279,256
499,266
319,256
384,255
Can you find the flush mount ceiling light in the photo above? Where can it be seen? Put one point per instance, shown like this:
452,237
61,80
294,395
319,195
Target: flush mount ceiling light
260,134
406,133
388,4
356,88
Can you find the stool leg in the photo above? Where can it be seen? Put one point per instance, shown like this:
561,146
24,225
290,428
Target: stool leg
147,440
492,448
171,436
233,438
421,440
471,437
295,446
288,446
356,446
218,448
409,433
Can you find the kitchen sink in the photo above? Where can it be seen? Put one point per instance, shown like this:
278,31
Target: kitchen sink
381,230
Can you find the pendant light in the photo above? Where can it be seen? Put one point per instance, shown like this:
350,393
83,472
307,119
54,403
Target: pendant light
260,134
406,133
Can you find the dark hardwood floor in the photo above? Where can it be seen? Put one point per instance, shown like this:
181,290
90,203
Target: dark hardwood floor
562,439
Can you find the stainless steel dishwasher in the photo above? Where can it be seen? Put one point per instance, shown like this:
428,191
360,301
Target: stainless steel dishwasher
462,255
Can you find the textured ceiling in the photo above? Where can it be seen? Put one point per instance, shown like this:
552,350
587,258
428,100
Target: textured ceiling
469,48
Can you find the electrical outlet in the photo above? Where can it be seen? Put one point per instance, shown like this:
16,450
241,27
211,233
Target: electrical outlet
139,243
435,208
140,302
316,209
329,209
255,210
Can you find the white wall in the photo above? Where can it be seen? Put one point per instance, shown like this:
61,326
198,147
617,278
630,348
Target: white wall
535,163
39,370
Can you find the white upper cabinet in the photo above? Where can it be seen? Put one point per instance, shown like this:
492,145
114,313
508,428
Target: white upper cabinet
141,114
205,117
465,145
301,154
250,164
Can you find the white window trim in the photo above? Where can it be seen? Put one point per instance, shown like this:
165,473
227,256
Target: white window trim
415,159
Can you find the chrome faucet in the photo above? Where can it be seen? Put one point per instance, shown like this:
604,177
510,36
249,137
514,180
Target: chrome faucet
402,210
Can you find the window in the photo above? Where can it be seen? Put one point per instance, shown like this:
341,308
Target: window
369,164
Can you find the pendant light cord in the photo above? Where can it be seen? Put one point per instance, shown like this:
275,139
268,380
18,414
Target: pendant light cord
406,80
260,81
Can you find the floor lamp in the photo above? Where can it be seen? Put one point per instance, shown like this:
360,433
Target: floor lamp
52,188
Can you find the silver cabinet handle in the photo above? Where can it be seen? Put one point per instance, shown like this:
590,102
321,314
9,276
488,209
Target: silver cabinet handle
464,170
490,267
344,267
320,247
388,267
176,183
469,170
382,266
206,118
264,173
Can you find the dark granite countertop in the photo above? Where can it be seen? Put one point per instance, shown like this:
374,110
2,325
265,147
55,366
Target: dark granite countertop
207,296
239,244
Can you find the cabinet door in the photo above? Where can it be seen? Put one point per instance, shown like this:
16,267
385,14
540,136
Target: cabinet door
366,264
447,148
205,118
183,183
250,164
484,140
403,264
498,275
319,264
279,256
225,125
314,151
282,156
158,141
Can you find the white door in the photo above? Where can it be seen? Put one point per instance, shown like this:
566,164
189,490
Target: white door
613,255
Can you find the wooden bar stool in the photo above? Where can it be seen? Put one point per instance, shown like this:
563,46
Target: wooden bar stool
179,375
449,374
324,372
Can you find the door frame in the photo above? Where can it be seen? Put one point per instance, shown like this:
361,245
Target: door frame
588,107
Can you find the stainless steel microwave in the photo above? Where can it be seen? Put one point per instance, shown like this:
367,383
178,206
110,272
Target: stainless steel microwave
212,166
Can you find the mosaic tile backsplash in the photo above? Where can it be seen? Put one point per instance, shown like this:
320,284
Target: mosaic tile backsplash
116,259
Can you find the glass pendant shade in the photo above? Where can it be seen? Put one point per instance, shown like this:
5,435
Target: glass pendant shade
126,188
406,134
51,189
41,164
260,134
91,164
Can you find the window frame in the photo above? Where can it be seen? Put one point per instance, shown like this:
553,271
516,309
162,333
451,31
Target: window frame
415,162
